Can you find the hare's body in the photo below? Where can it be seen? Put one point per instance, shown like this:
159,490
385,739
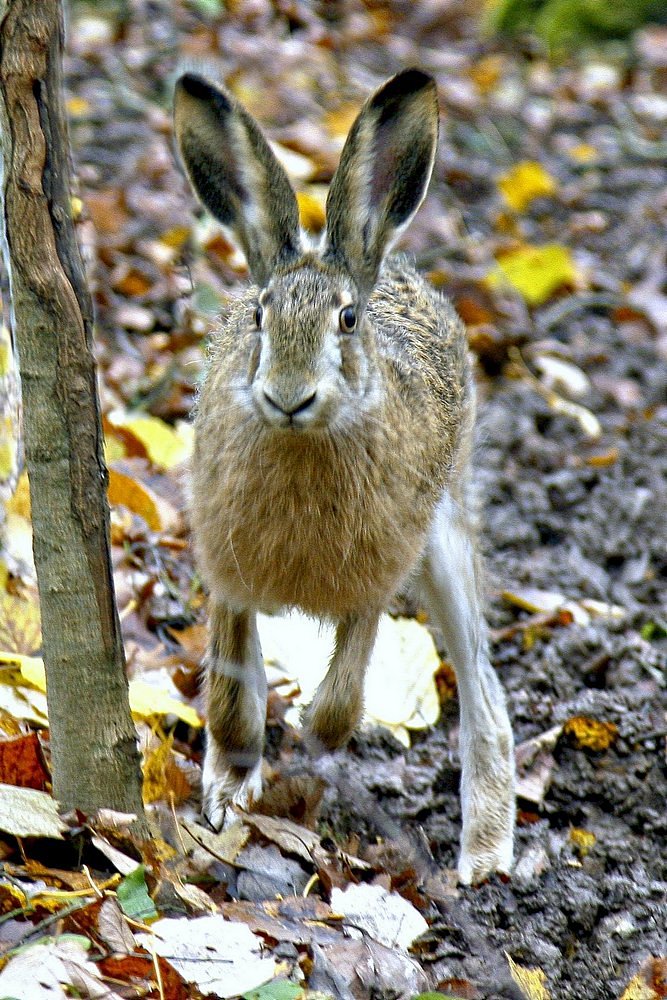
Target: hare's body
333,437
334,520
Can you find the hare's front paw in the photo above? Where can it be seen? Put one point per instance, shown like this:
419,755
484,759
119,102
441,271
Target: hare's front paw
224,786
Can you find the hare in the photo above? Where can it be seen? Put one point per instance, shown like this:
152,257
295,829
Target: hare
333,434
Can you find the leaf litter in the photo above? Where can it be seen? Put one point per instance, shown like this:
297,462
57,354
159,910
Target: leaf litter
546,225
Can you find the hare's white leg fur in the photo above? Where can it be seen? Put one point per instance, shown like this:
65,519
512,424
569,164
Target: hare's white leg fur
486,746
337,706
236,694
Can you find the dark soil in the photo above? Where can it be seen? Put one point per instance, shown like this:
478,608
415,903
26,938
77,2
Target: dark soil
557,514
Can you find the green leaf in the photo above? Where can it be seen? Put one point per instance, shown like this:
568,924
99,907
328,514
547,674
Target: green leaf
434,996
652,631
277,989
133,896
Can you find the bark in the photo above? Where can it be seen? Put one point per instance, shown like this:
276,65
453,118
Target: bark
93,740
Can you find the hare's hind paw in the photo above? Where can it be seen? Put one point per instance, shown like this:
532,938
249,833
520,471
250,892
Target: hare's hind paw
475,866
487,840
225,786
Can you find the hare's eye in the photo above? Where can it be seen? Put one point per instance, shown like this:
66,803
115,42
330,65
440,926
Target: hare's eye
348,319
259,316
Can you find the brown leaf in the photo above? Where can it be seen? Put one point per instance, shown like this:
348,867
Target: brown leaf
22,762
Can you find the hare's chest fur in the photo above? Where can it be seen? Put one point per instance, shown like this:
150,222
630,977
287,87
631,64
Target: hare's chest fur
312,524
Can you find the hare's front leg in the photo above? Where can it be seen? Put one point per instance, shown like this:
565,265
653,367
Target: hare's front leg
236,696
339,700
451,589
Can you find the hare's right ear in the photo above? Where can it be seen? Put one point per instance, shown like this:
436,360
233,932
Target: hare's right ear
383,174
235,174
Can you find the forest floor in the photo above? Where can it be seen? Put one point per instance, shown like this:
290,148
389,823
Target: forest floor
571,465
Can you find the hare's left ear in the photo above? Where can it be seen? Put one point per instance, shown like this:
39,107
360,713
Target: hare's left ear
383,174
235,174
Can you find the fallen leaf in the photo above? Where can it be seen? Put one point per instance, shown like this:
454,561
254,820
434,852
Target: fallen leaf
137,497
535,272
526,181
26,812
221,957
133,896
400,691
562,376
583,840
532,981
41,972
278,989
311,211
650,983
165,446
149,702
386,916
590,734
164,780
22,762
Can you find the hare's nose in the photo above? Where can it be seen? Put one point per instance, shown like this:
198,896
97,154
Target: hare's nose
292,406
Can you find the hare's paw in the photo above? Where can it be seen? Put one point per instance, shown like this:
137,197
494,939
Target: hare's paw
479,862
225,786
487,839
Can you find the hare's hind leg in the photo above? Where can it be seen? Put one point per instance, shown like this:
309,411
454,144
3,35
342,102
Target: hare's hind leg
451,589
339,700
236,696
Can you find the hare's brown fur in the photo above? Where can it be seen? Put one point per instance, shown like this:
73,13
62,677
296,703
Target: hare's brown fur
333,438
332,521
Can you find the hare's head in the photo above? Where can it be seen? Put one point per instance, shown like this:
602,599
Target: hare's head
315,347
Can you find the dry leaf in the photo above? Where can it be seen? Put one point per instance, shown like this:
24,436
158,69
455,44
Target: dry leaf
583,840
164,445
26,812
535,272
137,497
163,778
223,958
590,734
532,981
149,702
311,211
524,182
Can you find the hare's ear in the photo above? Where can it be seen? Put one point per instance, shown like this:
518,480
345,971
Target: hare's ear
235,174
383,174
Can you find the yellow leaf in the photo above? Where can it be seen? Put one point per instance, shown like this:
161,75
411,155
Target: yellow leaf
531,981
164,445
20,623
311,211
339,122
6,355
163,778
32,671
583,153
590,734
583,840
7,450
19,503
524,182
77,106
148,701
535,272
135,496
639,989
487,71
114,449
175,237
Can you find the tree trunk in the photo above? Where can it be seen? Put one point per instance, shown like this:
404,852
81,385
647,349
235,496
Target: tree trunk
93,740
